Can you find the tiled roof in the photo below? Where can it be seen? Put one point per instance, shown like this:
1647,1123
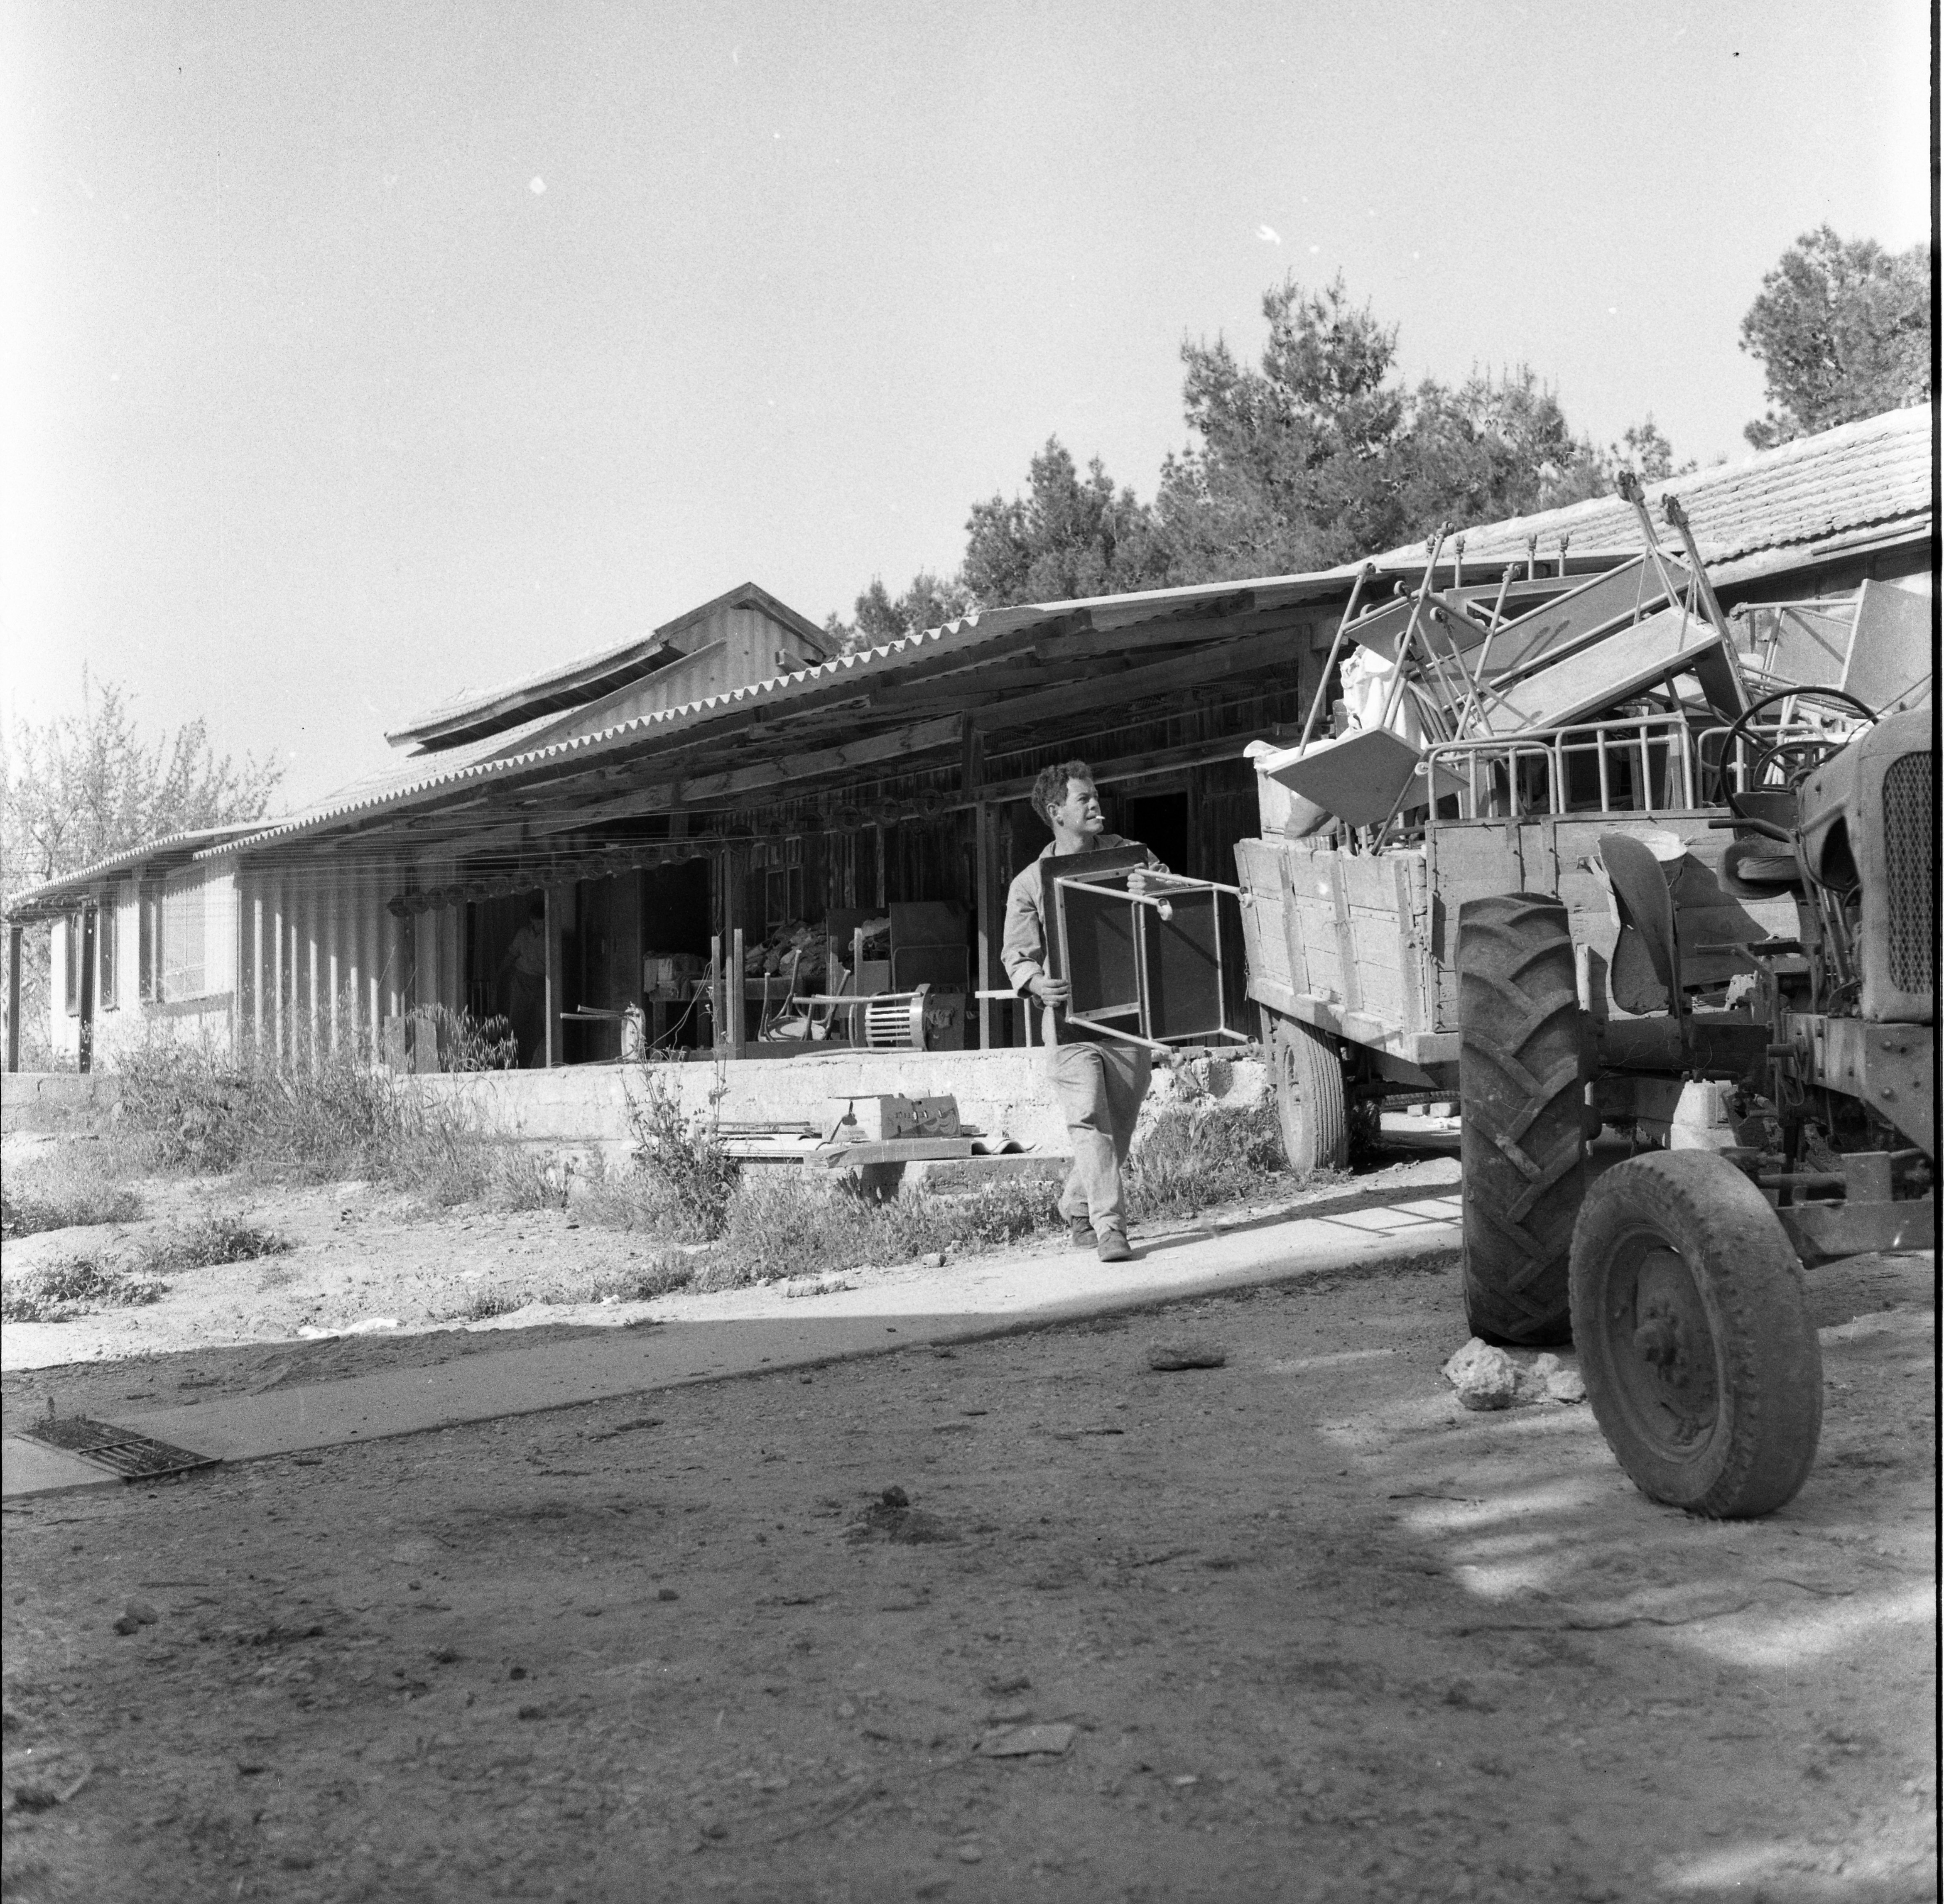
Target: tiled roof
1842,481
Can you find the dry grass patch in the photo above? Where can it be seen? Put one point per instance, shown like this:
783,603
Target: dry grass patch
72,1184
79,1285
1189,1159
660,1275
206,1243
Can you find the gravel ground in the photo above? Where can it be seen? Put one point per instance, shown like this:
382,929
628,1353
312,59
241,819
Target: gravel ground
1316,1633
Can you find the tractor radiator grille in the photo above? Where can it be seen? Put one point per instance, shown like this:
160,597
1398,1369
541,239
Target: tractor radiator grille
1908,816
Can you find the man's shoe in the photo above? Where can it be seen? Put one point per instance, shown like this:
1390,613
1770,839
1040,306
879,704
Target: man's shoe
1114,1247
1080,1232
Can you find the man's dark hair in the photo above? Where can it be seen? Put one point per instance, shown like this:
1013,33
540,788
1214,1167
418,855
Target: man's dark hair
537,910
1049,790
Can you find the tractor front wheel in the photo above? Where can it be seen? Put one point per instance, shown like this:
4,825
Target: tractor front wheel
1694,1335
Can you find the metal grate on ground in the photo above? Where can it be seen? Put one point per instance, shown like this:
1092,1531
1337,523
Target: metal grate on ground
133,1457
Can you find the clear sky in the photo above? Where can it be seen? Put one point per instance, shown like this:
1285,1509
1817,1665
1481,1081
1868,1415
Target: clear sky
352,353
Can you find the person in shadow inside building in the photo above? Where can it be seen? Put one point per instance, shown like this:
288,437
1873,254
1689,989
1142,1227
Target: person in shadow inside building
1098,1080
523,976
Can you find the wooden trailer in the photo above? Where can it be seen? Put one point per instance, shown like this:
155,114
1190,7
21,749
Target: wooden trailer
1352,951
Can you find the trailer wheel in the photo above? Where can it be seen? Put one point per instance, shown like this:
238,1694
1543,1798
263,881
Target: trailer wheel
1310,1098
1522,1110
1699,1356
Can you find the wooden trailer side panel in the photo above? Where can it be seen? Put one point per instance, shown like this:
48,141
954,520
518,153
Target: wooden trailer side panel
1379,933
1260,872
1471,860
1349,930
1316,918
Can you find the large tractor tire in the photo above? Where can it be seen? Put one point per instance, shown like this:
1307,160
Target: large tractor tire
1522,1114
1311,1103
1694,1335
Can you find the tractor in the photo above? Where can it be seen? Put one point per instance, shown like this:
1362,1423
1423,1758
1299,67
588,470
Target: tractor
1776,1090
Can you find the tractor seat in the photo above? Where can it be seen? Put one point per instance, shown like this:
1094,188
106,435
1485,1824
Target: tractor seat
1759,868
1681,927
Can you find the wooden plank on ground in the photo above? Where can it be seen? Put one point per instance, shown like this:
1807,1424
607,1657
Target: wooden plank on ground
894,1150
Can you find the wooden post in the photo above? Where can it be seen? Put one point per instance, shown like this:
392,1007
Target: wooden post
330,974
84,939
738,1002
550,1043
303,959
13,997
972,778
257,971
718,1030
986,900
276,970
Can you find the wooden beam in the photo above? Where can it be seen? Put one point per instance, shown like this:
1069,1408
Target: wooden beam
1131,766
540,802
972,694
1173,633
967,687
1187,670
1122,612
996,649
916,737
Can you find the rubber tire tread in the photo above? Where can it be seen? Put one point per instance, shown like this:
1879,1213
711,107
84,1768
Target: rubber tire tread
1312,1109
1522,1141
1768,1364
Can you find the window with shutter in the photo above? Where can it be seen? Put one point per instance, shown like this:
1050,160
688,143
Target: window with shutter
184,922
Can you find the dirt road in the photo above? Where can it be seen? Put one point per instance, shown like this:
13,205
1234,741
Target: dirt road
1317,1633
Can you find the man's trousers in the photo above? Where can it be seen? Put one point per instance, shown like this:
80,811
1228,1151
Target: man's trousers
1100,1088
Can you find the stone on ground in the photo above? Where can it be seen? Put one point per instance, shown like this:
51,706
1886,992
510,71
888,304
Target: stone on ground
1186,1354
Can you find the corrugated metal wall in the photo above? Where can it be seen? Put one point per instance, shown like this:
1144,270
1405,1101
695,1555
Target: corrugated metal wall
327,966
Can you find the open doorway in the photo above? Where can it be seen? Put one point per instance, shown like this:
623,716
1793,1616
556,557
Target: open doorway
494,989
1160,822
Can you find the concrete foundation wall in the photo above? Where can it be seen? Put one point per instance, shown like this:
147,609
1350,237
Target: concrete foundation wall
585,1107
1001,1092
57,1100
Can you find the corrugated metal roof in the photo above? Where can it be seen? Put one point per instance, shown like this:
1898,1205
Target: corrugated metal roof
473,713
490,760
1843,480
963,637
1847,479
185,845
590,676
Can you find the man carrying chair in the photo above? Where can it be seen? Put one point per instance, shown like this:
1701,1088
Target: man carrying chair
1098,1080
